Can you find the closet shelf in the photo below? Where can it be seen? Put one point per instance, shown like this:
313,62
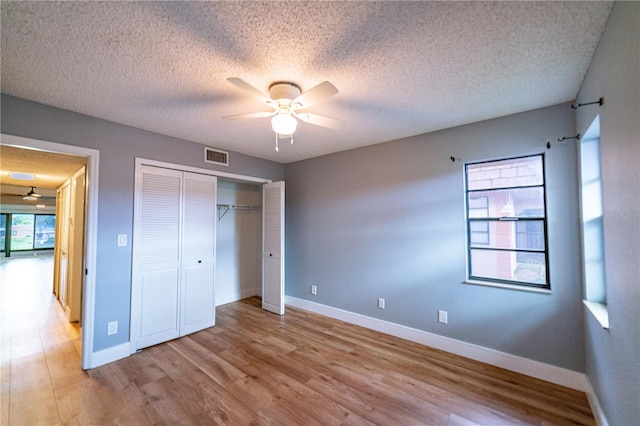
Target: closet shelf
223,209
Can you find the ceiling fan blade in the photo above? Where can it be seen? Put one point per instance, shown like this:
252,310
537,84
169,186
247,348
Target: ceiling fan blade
249,115
319,120
316,94
243,85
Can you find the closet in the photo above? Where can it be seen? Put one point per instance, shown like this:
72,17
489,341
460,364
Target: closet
238,241
174,255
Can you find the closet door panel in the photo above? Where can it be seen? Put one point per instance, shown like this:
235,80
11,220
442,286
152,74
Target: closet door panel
156,283
159,238
198,252
273,247
159,306
198,299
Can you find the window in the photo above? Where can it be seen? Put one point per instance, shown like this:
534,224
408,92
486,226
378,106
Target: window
479,230
591,211
22,232
3,231
45,231
29,231
506,222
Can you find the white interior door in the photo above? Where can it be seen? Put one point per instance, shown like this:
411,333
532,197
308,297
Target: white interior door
273,247
156,277
197,305
62,242
76,246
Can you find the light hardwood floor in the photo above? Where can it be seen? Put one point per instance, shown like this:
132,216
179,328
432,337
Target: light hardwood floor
253,367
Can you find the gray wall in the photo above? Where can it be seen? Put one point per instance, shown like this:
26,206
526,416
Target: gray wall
389,221
613,356
118,145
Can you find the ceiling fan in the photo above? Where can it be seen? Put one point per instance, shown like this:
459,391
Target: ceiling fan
32,195
287,100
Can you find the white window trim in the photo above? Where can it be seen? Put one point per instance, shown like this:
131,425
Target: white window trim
519,287
600,312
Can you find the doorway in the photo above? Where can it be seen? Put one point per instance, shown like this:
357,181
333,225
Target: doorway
90,241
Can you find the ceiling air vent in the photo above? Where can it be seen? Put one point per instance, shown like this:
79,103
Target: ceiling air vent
215,156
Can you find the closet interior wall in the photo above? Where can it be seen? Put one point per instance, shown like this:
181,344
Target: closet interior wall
239,241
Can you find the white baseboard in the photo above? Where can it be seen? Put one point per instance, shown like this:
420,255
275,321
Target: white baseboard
238,295
123,350
108,355
596,408
539,370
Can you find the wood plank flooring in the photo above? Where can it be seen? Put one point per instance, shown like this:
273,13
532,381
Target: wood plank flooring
255,367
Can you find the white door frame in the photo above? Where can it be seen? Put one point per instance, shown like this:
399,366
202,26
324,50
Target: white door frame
91,229
181,167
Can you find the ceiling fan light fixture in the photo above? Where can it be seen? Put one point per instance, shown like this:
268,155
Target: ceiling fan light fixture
284,123
287,99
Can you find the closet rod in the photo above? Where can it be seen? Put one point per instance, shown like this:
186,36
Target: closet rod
224,208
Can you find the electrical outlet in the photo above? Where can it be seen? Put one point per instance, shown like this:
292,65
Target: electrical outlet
442,317
122,240
380,303
112,328
314,289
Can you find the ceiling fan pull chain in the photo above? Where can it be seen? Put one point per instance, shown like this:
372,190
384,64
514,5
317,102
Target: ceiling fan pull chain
277,137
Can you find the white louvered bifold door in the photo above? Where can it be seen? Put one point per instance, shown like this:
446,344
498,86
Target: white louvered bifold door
156,275
198,253
273,247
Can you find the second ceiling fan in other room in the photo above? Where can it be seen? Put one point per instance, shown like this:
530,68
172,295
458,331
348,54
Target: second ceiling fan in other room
287,100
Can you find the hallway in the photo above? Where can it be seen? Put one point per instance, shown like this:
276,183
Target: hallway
40,350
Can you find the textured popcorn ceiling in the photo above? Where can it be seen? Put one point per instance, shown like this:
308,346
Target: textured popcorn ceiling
401,68
50,171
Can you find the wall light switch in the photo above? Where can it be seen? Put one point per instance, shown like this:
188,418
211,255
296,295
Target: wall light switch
122,240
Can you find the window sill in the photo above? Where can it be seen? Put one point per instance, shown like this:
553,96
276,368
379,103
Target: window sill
599,311
508,286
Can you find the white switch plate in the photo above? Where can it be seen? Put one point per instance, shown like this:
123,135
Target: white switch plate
314,289
380,303
442,317
122,240
112,328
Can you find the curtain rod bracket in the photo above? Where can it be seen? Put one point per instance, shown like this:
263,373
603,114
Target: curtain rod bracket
566,138
599,102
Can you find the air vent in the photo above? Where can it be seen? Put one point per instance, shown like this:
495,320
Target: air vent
215,156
